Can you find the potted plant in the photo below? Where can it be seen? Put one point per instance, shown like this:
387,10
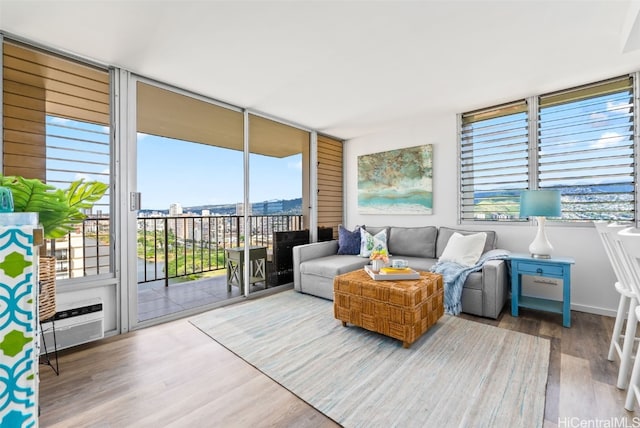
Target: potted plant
59,211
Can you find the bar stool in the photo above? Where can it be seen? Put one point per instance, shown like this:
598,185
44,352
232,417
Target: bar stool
622,345
630,238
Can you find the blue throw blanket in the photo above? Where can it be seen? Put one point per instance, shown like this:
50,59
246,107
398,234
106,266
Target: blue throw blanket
454,275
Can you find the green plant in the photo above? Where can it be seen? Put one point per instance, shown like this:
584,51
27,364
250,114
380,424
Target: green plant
59,211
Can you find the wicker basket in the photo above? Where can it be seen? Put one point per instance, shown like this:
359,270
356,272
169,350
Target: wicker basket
47,297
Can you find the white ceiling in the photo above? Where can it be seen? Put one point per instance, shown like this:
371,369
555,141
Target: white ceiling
346,68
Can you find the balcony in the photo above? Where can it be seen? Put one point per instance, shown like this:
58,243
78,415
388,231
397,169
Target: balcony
181,259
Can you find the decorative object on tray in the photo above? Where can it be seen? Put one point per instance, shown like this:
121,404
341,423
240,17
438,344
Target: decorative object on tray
382,276
399,263
379,258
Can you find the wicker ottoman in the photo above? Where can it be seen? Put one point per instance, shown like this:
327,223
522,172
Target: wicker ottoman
402,309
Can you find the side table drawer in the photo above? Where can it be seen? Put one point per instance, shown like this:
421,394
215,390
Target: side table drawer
537,269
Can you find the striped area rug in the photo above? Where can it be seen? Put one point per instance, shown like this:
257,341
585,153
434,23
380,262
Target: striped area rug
459,374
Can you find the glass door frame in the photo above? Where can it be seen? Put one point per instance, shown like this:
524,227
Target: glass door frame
127,168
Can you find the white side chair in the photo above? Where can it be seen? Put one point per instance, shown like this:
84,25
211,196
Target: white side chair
630,240
620,344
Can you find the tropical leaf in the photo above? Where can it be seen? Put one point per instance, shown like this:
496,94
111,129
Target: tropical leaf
59,211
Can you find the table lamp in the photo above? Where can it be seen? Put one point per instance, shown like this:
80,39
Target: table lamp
540,204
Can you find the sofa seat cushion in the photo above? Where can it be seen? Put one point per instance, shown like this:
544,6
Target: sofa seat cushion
413,241
331,266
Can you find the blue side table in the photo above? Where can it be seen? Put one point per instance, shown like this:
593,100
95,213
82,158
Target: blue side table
555,267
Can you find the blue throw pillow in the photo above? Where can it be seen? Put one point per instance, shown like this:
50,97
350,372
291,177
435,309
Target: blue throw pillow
348,242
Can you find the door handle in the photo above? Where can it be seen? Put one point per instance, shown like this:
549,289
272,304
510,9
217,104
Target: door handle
135,200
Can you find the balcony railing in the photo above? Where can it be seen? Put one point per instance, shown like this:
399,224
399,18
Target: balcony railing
167,247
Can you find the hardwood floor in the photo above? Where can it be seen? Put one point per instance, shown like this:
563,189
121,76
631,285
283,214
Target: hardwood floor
173,375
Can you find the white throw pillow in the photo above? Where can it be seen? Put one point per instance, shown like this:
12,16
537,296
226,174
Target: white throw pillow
464,249
369,242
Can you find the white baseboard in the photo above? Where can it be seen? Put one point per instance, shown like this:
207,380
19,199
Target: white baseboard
594,310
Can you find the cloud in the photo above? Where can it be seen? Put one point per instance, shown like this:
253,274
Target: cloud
607,139
618,107
142,136
598,119
82,175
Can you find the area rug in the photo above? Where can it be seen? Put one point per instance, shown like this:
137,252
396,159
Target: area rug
461,373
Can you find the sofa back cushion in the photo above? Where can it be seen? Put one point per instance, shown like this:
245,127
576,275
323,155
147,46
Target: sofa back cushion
444,233
413,241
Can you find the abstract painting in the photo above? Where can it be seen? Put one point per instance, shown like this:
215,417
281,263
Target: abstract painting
396,182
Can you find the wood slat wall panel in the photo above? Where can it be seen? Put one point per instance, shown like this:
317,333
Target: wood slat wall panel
330,174
332,203
328,183
24,149
56,62
24,137
44,73
24,125
36,104
24,161
330,191
21,113
25,172
35,84
328,163
330,156
56,86
77,113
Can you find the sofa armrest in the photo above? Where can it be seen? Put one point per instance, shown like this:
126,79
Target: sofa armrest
302,253
495,283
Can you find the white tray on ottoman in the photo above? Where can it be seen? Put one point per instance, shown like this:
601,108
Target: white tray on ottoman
379,276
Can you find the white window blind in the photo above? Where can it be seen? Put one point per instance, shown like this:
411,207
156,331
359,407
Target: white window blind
585,150
494,162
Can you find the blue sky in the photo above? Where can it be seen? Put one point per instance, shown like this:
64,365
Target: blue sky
174,171
169,171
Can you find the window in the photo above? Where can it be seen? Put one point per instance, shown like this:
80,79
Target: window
80,150
56,123
494,162
581,141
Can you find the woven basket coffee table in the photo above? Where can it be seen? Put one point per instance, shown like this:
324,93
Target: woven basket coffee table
402,309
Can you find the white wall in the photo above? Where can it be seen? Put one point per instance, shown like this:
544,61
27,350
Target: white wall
592,277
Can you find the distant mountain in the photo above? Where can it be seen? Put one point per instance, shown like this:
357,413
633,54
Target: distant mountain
272,207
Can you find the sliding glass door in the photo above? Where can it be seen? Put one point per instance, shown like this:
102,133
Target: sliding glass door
189,177
204,204
278,198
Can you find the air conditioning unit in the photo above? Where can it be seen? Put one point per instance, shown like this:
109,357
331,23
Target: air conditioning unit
75,323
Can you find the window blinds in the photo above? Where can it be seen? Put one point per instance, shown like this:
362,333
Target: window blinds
493,162
586,150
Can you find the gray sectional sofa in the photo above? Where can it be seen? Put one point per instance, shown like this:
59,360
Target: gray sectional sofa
484,293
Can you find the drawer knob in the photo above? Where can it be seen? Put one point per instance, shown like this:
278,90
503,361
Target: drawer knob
539,270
